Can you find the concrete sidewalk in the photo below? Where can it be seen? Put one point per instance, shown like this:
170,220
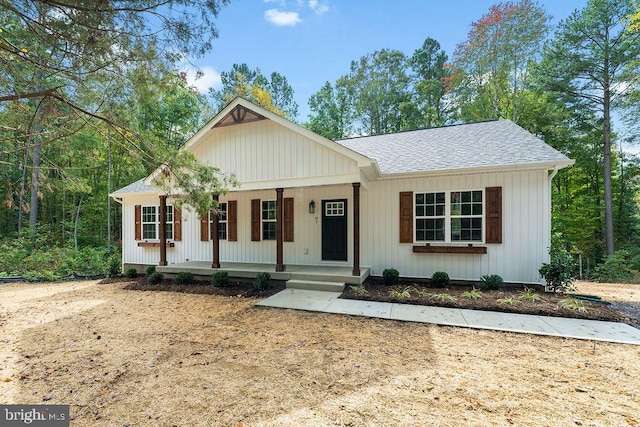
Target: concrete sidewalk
328,302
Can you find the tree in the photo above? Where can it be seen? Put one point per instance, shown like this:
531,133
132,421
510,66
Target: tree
275,95
491,66
432,74
331,111
379,86
593,63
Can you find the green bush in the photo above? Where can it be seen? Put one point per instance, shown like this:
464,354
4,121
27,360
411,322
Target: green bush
390,276
115,266
440,279
150,270
155,278
131,273
183,278
491,282
262,281
558,274
220,279
617,268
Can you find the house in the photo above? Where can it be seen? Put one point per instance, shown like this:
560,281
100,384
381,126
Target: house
469,199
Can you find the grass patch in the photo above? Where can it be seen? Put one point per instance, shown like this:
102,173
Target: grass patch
573,304
508,301
358,289
528,295
443,297
472,294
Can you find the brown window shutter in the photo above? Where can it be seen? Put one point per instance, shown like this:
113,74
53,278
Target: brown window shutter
232,221
493,219
138,221
177,224
288,219
406,217
204,228
255,220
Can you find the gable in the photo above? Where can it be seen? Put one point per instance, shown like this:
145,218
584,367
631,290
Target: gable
264,154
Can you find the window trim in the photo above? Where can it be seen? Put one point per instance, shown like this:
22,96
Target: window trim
448,217
222,213
264,221
156,222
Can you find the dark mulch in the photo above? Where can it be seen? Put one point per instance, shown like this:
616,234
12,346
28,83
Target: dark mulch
548,304
237,287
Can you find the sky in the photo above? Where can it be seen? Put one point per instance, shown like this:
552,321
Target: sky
311,42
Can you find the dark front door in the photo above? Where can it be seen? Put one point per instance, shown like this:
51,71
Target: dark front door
334,230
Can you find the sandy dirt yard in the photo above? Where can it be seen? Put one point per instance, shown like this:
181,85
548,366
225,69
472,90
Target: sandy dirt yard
133,358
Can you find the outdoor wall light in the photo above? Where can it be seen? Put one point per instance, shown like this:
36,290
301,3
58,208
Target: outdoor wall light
312,207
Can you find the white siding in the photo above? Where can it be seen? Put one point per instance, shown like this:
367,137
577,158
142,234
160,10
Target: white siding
264,151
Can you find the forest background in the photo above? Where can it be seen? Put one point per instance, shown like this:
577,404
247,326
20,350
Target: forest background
92,99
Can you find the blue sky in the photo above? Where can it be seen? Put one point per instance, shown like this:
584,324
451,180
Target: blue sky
314,41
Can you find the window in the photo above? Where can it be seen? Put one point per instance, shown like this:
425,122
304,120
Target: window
151,224
430,216
334,209
268,220
456,216
222,222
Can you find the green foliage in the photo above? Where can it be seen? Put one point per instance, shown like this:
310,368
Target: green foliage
115,265
155,278
621,267
573,304
220,279
491,282
443,297
472,294
403,294
150,270
558,274
440,279
183,278
131,273
528,295
262,281
390,276
358,289
508,301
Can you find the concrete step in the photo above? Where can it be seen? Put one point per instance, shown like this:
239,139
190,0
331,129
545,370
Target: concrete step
313,285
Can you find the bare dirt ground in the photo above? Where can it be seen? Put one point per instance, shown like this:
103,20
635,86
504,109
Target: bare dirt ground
123,357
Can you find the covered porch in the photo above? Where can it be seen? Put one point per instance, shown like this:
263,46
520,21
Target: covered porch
250,270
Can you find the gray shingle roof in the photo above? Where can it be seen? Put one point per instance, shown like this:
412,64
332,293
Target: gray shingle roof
478,145
136,187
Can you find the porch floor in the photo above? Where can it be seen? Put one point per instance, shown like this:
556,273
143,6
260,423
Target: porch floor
250,270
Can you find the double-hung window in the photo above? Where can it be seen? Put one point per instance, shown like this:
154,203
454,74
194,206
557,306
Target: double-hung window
222,222
454,216
268,220
151,222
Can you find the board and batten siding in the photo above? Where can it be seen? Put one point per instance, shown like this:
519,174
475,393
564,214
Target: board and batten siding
525,218
254,152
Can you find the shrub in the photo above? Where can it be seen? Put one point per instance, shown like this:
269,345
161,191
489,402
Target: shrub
528,295
220,279
573,304
155,278
443,297
150,270
115,266
390,276
508,301
472,294
558,274
490,282
440,279
262,281
132,273
617,268
358,289
403,294
183,278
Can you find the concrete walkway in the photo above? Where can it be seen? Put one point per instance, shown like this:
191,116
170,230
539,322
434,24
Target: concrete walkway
328,302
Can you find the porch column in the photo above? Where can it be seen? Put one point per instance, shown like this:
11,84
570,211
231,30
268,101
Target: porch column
279,229
215,240
356,229
163,230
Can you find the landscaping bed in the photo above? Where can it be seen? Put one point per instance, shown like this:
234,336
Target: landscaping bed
510,299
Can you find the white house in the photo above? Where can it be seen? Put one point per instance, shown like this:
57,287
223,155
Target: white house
468,199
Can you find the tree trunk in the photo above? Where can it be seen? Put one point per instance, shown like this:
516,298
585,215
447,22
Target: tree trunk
77,222
608,199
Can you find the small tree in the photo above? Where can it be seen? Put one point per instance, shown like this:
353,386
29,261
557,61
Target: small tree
558,274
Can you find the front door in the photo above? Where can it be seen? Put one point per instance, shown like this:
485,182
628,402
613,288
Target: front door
334,230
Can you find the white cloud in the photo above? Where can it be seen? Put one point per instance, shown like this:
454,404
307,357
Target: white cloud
281,19
202,78
318,7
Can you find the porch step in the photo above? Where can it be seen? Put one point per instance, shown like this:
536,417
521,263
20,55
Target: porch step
312,285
